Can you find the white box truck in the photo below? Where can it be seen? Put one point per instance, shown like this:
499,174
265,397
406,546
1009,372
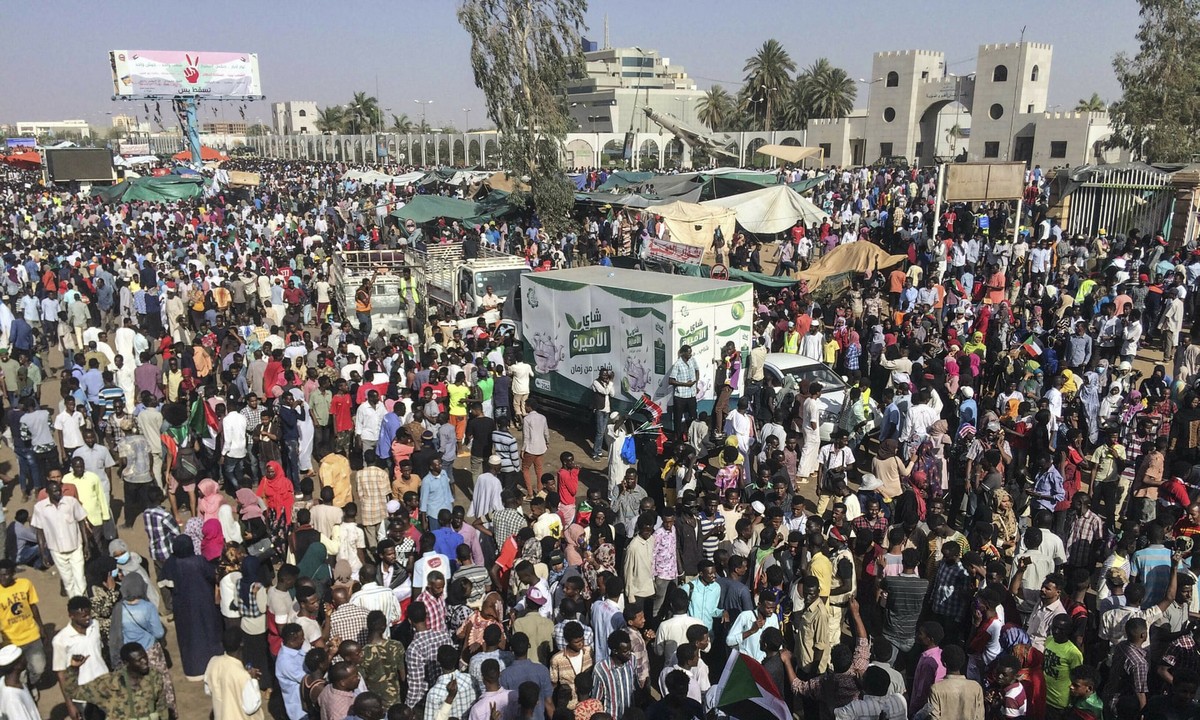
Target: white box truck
576,321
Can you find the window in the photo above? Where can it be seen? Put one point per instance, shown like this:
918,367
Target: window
640,61
826,149
1033,74
303,113
1058,148
924,74
893,79
996,111
919,150
1000,74
637,74
1029,108
889,114
885,149
991,149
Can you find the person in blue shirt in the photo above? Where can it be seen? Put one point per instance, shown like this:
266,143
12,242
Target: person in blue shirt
968,409
445,540
436,494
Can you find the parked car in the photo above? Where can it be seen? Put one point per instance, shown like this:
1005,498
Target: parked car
789,370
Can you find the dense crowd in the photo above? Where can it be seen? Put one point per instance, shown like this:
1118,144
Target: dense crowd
340,523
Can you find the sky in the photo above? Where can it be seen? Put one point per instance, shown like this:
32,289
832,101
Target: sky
410,50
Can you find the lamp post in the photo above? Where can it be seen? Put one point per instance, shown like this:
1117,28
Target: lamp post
424,106
468,125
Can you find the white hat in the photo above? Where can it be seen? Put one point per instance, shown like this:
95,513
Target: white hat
1125,365
758,507
870,482
968,391
493,460
9,654
393,506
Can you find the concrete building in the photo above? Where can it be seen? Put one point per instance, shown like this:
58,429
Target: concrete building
224,127
295,117
54,128
128,123
913,105
615,83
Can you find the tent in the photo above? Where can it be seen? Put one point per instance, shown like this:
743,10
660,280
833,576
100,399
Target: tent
428,208
857,257
770,210
165,188
206,154
792,153
135,160
690,230
27,159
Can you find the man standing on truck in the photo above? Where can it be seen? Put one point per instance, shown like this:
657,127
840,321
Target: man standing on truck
683,377
412,297
362,305
490,301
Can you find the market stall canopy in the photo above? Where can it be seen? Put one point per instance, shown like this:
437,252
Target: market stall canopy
506,182
206,154
792,153
691,227
771,210
27,159
428,208
165,188
135,160
857,257
625,179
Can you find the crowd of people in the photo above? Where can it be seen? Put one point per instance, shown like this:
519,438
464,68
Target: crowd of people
339,524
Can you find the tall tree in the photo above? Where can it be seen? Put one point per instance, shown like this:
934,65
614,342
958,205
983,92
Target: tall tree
768,74
716,109
363,114
1158,118
1092,104
401,124
824,91
330,119
522,51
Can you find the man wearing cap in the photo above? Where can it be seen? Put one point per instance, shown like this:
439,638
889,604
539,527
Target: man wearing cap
16,703
488,490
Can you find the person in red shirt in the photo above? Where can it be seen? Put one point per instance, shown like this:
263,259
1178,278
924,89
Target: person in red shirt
568,487
342,413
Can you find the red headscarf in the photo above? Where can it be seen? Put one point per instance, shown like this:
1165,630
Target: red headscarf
214,540
278,491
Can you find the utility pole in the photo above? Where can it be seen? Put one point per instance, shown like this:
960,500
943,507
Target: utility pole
1012,118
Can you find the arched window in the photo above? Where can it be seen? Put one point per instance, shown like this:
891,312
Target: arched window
893,79
1000,74
303,113
1033,74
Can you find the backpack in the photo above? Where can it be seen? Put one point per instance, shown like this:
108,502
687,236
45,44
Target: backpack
187,464
629,450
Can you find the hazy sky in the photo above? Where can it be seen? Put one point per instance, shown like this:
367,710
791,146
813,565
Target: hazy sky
55,52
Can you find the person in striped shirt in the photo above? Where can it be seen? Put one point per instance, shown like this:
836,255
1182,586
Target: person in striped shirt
1010,701
616,676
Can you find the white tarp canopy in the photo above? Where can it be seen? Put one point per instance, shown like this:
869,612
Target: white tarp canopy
771,210
374,177
791,153
135,160
690,230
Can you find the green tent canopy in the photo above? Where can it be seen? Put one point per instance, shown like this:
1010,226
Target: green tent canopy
428,208
166,188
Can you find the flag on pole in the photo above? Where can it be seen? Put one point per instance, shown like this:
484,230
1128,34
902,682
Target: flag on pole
1032,347
655,409
747,692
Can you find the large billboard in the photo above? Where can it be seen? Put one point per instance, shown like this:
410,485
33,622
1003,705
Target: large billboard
170,73
977,182
79,165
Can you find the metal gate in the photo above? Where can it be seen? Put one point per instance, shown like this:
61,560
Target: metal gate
1122,200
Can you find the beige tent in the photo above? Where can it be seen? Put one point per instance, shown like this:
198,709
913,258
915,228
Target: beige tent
857,257
792,153
771,210
690,229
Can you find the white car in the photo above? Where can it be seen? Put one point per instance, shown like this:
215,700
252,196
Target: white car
789,370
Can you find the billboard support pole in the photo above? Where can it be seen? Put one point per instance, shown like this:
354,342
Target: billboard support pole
192,129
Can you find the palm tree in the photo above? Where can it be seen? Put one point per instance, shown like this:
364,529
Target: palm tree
768,72
331,119
363,114
826,91
1092,104
401,124
716,109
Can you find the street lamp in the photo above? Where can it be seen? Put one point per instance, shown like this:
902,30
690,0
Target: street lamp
468,112
424,106
681,108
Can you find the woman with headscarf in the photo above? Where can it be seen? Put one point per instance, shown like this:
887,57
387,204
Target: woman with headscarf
602,559
1004,520
931,459
458,609
276,489
193,529
209,500
315,566
490,612
229,524
1089,397
250,510
130,563
252,607
197,622
137,622
101,574
975,345
214,540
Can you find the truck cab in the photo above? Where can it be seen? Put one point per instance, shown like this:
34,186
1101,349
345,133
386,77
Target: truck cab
459,285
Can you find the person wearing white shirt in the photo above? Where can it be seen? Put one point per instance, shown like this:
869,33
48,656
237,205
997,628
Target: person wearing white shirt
234,448
68,427
373,596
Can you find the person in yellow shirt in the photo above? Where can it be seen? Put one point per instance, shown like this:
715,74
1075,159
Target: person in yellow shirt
20,620
91,496
457,393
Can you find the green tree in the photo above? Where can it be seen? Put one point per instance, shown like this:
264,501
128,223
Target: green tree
363,115
1158,118
1092,104
717,109
257,129
330,119
821,91
768,74
521,53
401,124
